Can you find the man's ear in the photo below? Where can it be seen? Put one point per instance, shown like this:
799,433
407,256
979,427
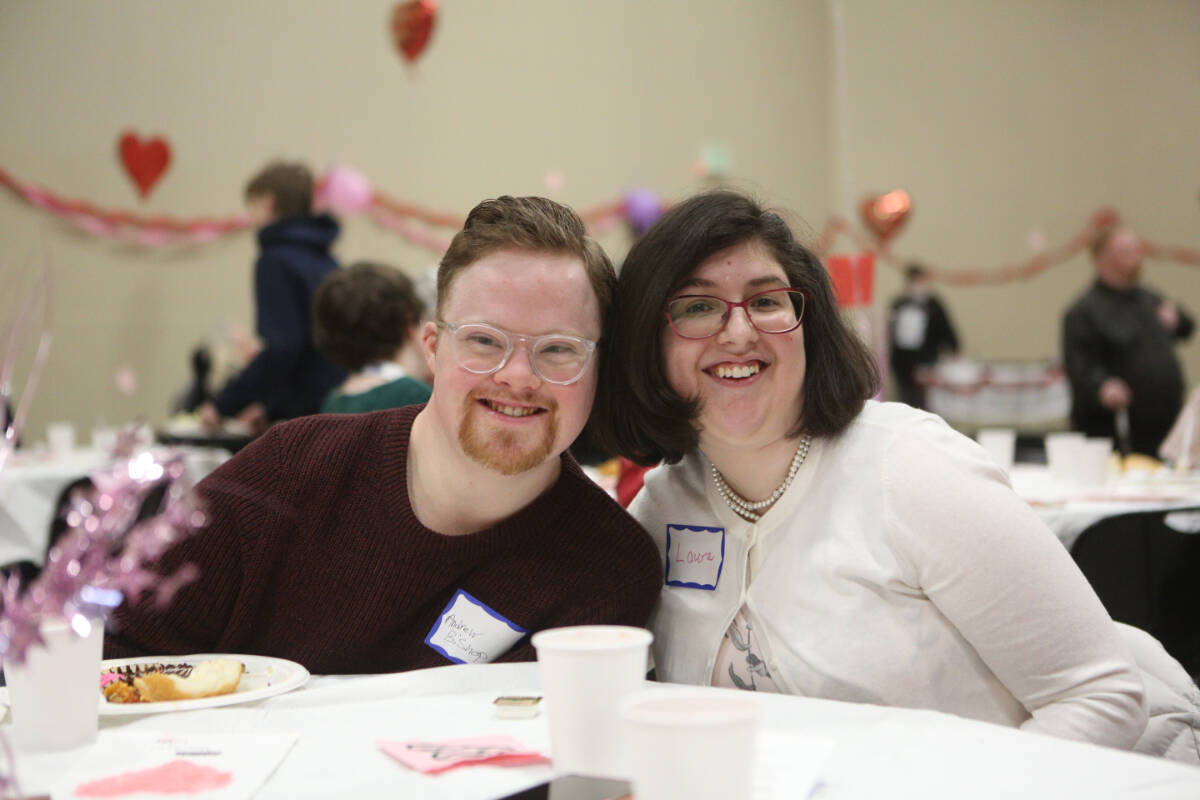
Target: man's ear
429,340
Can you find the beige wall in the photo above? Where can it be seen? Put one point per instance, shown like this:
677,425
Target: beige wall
1002,117
998,117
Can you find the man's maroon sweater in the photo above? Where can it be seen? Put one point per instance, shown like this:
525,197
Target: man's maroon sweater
313,553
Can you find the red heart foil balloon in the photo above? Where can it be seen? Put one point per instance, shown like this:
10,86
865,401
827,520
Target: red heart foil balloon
145,161
412,25
884,215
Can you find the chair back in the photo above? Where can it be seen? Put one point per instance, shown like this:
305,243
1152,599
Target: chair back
1147,574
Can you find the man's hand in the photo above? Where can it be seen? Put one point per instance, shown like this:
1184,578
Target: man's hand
1115,393
210,419
1168,315
254,417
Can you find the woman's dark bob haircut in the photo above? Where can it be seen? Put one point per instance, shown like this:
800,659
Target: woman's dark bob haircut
638,415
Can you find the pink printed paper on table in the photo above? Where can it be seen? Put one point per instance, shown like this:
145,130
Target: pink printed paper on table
201,766
432,757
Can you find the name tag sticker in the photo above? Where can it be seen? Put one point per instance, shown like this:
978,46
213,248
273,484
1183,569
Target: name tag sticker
695,556
468,632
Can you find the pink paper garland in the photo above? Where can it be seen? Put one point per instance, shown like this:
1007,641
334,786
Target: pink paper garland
1005,273
351,192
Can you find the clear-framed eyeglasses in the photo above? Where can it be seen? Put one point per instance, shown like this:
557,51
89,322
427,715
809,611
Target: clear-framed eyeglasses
484,349
699,316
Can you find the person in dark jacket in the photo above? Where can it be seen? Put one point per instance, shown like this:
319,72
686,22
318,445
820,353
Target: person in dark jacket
1118,349
289,377
920,330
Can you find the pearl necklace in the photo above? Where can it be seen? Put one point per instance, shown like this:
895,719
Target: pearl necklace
751,510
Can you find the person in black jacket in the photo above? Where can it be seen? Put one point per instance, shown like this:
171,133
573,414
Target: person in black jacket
1118,349
289,377
920,330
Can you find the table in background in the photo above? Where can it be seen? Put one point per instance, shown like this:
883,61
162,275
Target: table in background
33,479
1069,511
876,751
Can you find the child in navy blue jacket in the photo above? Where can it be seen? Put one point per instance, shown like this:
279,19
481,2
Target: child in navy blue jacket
289,377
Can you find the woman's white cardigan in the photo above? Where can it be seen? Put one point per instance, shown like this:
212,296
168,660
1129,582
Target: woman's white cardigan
898,569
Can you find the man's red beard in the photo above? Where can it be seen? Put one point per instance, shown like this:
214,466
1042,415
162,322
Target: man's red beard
509,452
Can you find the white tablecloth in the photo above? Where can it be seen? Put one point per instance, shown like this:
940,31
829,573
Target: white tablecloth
876,752
32,480
1070,510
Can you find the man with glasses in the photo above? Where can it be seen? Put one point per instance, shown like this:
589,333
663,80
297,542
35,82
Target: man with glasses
435,534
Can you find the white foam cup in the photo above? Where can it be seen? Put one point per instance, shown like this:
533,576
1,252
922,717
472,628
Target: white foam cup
691,744
1094,457
105,439
586,672
1001,444
60,438
1063,454
55,694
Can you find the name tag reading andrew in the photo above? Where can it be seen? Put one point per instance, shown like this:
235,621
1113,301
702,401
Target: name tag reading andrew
695,556
468,632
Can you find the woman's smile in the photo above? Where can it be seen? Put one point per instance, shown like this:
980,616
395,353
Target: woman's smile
736,373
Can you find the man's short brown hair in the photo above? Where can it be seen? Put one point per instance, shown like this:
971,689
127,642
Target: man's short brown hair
362,314
535,224
289,185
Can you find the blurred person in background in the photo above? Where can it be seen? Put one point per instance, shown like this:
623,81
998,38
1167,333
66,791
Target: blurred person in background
365,319
920,331
1118,343
288,377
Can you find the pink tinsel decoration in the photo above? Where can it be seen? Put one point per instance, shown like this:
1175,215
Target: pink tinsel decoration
103,559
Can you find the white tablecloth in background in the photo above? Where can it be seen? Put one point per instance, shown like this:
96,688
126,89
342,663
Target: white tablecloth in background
32,480
876,752
1069,511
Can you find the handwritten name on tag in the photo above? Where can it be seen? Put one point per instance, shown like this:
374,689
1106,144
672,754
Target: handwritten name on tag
695,556
468,632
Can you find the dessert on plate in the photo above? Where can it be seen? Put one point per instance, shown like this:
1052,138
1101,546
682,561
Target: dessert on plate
151,683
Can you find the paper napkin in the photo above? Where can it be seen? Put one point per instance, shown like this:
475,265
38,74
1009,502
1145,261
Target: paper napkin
432,757
223,766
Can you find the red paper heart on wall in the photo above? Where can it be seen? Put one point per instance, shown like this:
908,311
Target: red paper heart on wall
412,25
145,161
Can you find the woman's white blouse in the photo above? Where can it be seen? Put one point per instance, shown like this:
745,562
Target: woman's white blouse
898,569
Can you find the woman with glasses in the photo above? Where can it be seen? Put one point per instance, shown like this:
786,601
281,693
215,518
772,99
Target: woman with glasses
815,541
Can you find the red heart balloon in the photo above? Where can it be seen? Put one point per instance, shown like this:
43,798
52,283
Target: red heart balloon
145,161
412,25
884,215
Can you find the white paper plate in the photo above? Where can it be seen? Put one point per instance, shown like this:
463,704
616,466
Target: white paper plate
264,677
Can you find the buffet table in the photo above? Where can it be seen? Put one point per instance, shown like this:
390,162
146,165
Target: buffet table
806,747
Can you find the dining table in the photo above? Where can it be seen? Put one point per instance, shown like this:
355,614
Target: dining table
805,748
33,478
1069,509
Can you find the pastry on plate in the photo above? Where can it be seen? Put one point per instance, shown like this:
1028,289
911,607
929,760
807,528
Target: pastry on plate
151,683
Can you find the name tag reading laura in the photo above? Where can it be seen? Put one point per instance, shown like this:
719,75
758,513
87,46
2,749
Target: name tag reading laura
695,556
468,632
